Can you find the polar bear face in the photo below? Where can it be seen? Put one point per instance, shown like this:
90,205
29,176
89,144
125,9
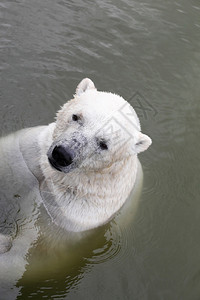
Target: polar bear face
94,131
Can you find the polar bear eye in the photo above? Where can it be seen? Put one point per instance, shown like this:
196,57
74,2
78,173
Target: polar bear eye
75,117
103,145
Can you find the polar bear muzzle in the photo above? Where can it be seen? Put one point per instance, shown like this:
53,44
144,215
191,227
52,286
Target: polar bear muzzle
65,154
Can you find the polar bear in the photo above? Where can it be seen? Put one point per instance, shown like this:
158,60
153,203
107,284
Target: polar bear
85,163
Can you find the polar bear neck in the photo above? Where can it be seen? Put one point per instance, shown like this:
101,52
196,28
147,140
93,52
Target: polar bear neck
81,200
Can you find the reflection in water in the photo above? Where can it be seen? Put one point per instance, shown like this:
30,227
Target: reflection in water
57,270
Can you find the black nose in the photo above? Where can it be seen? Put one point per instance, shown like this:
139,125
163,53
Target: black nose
62,156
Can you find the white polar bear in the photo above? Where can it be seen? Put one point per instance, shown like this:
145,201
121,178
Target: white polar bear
91,162
86,162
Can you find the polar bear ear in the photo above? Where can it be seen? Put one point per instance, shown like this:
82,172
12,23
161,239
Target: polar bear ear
85,85
142,143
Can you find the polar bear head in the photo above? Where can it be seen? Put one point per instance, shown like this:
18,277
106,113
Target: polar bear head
94,131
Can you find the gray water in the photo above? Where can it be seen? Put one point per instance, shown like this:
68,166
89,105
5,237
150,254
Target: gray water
148,52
